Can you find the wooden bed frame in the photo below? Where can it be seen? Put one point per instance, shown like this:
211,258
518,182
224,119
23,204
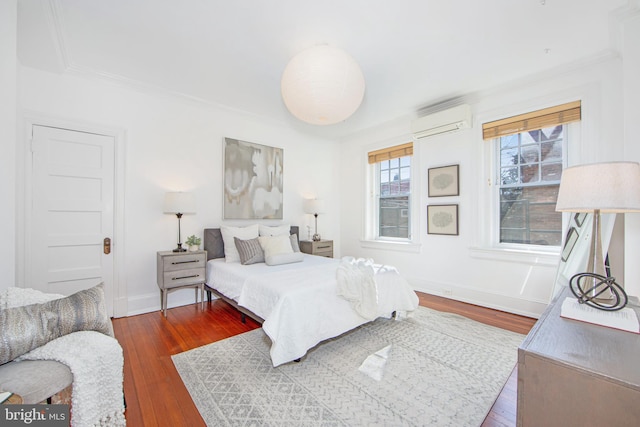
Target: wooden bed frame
214,245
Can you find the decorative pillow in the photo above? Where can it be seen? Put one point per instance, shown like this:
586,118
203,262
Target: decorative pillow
228,233
294,242
280,230
274,245
250,251
24,328
279,259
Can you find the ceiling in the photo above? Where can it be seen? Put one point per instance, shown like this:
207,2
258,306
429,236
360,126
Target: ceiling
413,53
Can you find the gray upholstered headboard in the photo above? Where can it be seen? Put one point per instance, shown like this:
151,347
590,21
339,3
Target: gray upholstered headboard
214,245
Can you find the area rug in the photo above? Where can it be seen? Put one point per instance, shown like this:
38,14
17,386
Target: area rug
433,368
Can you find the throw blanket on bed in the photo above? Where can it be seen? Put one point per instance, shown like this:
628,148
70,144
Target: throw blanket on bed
357,285
96,362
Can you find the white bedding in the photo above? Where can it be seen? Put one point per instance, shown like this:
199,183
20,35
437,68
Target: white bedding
299,301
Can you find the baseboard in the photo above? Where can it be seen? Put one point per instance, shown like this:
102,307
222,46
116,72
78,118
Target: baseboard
151,302
496,301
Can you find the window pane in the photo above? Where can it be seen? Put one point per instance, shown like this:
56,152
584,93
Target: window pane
405,174
509,176
384,176
509,141
552,133
551,151
551,172
405,161
530,174
530,154
394,163
528,216
509,157
394,217
528,137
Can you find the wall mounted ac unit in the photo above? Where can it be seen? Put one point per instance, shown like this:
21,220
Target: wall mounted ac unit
450,120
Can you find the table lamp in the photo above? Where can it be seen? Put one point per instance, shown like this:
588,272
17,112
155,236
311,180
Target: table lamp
597,188
179,203
314,207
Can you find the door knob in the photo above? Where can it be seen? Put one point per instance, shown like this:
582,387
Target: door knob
106,246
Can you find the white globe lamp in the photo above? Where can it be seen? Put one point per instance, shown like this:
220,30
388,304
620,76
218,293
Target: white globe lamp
322,85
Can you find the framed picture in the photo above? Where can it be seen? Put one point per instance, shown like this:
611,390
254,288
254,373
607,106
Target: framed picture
442,219
253,178
444,181
569,243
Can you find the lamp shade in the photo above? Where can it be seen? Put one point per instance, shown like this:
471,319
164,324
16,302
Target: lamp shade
313,206
179,202
610,187
322,85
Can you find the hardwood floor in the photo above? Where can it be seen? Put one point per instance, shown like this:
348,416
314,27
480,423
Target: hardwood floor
155,393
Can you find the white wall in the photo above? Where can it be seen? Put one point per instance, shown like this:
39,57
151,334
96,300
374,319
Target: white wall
463,267
8,25
171,144
631,82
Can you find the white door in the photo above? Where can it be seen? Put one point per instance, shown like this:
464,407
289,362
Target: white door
72,211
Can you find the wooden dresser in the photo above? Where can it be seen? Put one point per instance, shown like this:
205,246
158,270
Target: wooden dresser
572,373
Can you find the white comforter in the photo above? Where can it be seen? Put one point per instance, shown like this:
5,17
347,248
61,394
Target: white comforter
300,302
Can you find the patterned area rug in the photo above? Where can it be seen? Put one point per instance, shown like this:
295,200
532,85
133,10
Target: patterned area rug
441,370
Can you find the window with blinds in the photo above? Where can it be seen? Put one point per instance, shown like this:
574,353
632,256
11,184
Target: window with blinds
531,151
393,191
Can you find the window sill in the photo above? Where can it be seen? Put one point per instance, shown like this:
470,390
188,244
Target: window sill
391,246
532,257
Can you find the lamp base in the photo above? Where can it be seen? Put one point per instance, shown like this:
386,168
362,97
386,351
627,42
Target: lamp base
179,248
316,237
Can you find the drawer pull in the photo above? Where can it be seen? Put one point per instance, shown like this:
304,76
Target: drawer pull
185,262
323,247
185,277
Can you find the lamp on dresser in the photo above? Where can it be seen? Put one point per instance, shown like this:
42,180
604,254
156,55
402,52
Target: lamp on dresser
597,188
179,203
314,207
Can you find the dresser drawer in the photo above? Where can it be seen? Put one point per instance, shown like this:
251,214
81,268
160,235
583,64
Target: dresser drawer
184,262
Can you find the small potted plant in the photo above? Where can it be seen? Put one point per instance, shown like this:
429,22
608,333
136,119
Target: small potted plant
193,242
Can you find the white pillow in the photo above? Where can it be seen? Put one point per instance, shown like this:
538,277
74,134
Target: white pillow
228,233
279,230
284,258
275,245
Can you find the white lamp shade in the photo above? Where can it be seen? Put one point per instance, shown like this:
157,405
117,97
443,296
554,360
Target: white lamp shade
611,187
322,85
313,206
179,202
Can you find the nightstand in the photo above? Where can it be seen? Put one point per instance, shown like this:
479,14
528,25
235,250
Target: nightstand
180,270
320,247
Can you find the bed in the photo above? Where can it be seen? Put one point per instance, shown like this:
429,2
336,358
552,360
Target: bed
298,303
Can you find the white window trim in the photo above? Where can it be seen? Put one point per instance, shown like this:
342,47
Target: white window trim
370,237
485,240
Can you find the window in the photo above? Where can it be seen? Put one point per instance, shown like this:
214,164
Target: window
530,170
531,153
392,191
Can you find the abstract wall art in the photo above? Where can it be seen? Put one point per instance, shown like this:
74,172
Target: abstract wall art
253,180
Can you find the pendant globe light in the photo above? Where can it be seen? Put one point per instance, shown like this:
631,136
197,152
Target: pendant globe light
322,85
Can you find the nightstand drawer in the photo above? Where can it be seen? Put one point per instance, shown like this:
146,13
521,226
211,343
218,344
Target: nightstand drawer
184,262
320,248
183,277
